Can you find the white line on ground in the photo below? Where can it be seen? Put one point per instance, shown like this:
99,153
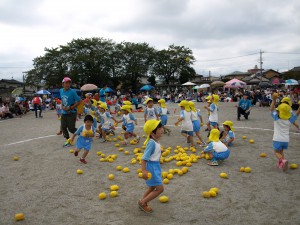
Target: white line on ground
18,142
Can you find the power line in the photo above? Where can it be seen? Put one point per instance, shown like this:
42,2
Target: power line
209,60
290,53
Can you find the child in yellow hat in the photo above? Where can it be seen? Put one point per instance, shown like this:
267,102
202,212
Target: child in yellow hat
163,115
228,133
151,163
129,120
283,117
216,149
150,111
105,126
196,122
187,124
213,111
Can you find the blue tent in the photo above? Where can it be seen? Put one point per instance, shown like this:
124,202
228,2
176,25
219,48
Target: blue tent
147,88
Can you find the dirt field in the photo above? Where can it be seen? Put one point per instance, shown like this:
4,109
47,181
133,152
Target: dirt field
44,184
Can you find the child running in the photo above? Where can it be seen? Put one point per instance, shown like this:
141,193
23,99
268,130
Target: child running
196,123
86,132
151,163
105,124
163,114
216,149
213,111
186,119
129,120
227,136
283,117
150,111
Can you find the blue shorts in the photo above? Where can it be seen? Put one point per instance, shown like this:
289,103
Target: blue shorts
164,120
105,129
221,155
213,123
279,145
155,169
190,133
83,142
130,127
196,126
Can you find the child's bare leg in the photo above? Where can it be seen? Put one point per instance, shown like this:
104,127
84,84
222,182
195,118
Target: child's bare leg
279,154
208,126
85,153
126,135
153,194
184,135
199,136
103,134
191,140
148,191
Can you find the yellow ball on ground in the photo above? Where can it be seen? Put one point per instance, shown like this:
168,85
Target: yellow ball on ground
185,169
102,195
214,189
111,176
114,187
224,175
242,169
251,141
164,199
206,194
294,166
180,173
72,151
139,170
113,194
247,170
19,216
140,175
121,149
179,163
170,176
16,158
166,181
164,174
263,155
212,193
126,153
126,170
79,171
119,168
244,137
117,145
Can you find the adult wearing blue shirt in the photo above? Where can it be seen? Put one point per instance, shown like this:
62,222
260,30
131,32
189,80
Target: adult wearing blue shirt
70,100
244,107
102,93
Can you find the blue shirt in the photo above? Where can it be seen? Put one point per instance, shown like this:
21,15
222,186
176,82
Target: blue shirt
68,98
102,94
245,104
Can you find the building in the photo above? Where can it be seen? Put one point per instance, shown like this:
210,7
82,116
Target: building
7,86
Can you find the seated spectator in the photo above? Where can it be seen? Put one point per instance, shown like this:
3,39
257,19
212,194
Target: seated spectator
5,111
18,109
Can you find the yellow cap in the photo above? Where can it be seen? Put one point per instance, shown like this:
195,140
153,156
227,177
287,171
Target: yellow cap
150,126
192,106
103,106
127,103
229,123
208,98
214,135
284,111
94,102
162,103
287,100
147,100
126,108
185,104
216,99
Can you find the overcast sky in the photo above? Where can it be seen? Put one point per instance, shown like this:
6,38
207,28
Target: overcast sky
213,29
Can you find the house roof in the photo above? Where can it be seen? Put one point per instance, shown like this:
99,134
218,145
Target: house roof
11,81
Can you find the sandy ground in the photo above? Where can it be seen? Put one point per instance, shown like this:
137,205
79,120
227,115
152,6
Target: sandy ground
44,185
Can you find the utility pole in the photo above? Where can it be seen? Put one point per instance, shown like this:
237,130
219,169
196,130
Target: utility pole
260,62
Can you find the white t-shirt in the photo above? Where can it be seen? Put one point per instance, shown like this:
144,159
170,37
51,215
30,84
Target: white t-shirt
151,113
282,127
213,117
187,124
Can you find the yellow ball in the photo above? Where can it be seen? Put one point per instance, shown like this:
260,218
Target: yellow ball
114,187
16,158
206,194
170,176
117,145
121,149
72,151
164,174
111,176
102,195
119,168
126,170
251,141
294,166
79,171
19,216
247,170
171,171
166,181
263,155
113,194
189,164
215,189
224,175
212,193
179,163
149,176
185,169
140,175
126,153
244,137
242,169
139,170
164,199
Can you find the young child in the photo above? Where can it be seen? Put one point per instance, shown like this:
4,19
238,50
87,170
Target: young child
227,136
283,117
105,124
86,132
151,163
213,111
216,149
186,119
163,114
129,120
196,123
124,122
150,111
